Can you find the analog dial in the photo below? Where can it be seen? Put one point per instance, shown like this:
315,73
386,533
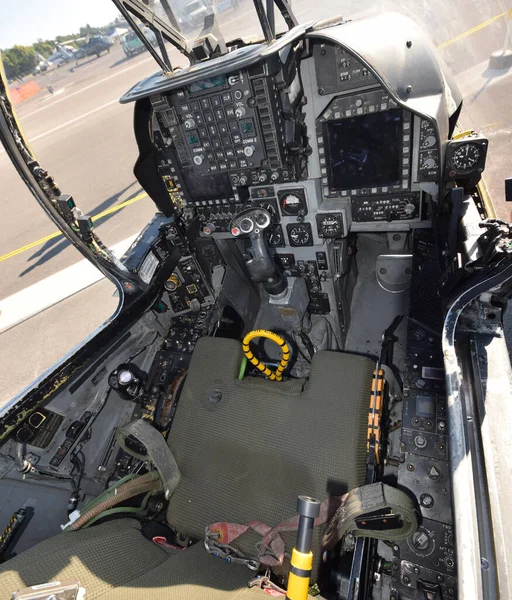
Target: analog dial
300,234
466,157
329,226
270,206
275,236
293,202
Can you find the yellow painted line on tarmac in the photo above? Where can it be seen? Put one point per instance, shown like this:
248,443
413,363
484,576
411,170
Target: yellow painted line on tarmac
52,236
474,30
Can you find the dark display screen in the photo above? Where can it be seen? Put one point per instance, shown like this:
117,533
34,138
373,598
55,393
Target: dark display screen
364,151
207,187
207,84
425,406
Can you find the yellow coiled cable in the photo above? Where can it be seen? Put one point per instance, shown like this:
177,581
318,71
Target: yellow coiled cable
270,335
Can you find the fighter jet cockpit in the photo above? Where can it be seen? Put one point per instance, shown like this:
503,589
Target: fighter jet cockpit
280,405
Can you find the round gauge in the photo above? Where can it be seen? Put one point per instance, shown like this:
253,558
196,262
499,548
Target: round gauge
466,157
293,203
275,236
329,226
300,234
270,208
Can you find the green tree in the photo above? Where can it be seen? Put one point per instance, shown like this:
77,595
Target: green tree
19,60
88,30
44,48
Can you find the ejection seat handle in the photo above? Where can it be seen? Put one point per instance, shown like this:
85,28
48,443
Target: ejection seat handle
302,557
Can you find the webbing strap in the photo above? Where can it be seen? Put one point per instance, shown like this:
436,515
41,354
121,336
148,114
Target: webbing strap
157,451
271,549
376,511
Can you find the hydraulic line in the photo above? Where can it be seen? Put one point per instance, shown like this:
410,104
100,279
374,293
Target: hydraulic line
143,484
285,353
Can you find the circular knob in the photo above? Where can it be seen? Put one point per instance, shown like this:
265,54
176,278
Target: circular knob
409,208
190,124
274,176
198,159
172,283
243,180
426,500
420,540
246,225
125,377
429,141
240,112
420,441
249,150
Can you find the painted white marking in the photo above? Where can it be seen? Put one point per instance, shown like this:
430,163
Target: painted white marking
68,123
88,87
57,287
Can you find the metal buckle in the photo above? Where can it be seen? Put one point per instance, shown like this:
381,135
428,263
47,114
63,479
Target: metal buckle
226,552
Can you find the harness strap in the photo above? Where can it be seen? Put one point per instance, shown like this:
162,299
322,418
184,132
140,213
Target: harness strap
376,511
270,552
156,450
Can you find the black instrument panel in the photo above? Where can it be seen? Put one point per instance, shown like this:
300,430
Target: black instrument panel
223,136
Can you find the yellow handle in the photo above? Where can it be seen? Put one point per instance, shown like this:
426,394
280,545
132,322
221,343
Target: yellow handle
269,335
299,577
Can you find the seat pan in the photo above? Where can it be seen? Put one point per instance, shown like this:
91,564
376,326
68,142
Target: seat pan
116,561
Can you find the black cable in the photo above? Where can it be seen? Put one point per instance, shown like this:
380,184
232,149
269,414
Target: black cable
308,344
299,349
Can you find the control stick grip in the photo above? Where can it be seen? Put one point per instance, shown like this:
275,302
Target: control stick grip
262,268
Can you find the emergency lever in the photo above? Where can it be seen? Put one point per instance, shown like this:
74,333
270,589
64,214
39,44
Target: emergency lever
253,223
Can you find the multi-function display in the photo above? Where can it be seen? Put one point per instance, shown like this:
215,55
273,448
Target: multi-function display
364,151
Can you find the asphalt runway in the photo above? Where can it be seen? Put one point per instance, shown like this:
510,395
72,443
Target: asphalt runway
84,138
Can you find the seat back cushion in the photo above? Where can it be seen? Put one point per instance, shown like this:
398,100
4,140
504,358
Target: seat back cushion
249,449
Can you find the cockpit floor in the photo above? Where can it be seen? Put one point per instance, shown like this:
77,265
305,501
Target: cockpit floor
373,309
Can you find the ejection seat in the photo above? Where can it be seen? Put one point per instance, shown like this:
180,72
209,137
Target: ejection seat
245,449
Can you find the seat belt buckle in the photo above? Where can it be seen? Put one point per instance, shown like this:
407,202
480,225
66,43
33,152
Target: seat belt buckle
60,590
379,520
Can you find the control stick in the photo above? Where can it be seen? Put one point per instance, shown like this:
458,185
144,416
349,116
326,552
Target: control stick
254,222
